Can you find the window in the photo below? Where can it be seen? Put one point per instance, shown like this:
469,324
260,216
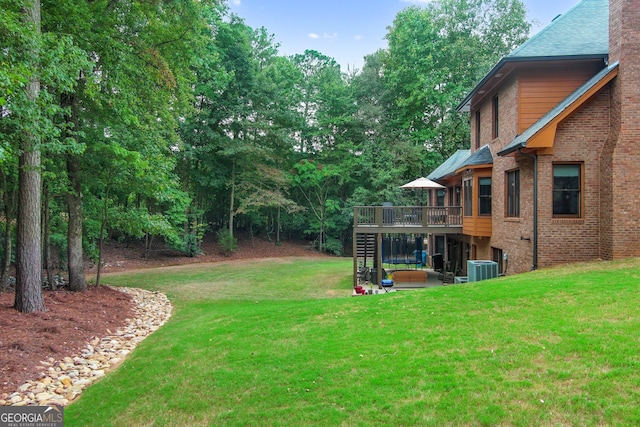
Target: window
484,196
513,194
567,183
478,129
468,197
440,197
454,196
495,111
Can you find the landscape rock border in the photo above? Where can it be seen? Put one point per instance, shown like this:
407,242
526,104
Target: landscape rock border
62,381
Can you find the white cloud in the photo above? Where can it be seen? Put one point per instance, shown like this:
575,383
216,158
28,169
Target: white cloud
323,36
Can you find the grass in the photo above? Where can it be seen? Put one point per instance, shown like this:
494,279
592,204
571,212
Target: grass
279,343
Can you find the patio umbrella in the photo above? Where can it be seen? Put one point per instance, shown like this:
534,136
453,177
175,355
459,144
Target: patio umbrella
422,183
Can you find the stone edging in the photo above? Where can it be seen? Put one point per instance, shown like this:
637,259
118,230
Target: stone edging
64,380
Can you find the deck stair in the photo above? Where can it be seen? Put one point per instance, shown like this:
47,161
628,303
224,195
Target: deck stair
366,245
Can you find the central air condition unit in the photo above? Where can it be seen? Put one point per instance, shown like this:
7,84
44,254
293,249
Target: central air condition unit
481,270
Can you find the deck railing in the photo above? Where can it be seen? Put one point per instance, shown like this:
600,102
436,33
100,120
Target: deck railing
407,216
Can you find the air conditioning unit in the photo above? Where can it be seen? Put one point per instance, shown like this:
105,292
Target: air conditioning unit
481,270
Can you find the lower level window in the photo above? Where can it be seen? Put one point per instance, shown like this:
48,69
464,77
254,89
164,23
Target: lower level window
567,190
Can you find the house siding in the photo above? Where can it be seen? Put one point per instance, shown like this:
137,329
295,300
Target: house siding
581,138
512,235
602,135
541,89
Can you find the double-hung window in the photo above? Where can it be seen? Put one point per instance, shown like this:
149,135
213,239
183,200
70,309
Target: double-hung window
513,194
484,196
567,190
467,190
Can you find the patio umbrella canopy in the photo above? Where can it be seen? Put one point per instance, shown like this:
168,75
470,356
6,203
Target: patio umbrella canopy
423,183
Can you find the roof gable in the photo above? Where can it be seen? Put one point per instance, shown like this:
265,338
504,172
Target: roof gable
545,127
580,33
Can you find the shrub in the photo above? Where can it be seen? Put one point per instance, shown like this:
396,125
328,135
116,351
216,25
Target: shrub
228,243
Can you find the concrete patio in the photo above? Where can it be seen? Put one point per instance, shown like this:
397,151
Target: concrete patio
431,282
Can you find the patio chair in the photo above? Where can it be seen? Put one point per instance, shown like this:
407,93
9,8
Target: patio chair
450,276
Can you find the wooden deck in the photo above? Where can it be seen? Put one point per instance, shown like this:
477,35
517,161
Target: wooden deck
407,219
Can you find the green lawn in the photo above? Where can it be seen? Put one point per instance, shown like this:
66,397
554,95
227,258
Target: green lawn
282,343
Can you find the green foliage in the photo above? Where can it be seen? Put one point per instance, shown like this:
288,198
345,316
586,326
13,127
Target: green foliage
167,108
333,246
228,243
436,54
194,234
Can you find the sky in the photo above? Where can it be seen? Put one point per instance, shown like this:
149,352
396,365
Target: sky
347,30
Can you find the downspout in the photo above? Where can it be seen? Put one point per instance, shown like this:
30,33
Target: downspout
534,157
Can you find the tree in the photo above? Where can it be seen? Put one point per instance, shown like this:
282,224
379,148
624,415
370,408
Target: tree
319,77
138,85
28,297
236,143
436,54
317,184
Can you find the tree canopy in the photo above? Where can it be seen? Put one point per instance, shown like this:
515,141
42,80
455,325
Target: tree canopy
162,120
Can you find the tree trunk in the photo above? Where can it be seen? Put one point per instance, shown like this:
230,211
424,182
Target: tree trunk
103,227
278,228
46,237
9,209
28,297
77,282
232,197
148,242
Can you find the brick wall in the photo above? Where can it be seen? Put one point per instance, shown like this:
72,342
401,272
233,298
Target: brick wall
623,221
507,234
581,138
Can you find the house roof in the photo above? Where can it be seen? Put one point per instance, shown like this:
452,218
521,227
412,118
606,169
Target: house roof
482,156
580,33
450,166
583,30
562,110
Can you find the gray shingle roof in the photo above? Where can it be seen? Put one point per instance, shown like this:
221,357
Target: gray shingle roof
583,30
450,166
482,156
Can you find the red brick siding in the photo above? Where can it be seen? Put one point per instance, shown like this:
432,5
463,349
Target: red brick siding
581,138
623,220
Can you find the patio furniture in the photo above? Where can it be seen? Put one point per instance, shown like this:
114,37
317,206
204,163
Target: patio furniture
386,284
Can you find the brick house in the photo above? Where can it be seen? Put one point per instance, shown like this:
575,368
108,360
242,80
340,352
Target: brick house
553,170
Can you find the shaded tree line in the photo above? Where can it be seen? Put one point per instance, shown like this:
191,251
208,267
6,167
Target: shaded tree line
165,120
